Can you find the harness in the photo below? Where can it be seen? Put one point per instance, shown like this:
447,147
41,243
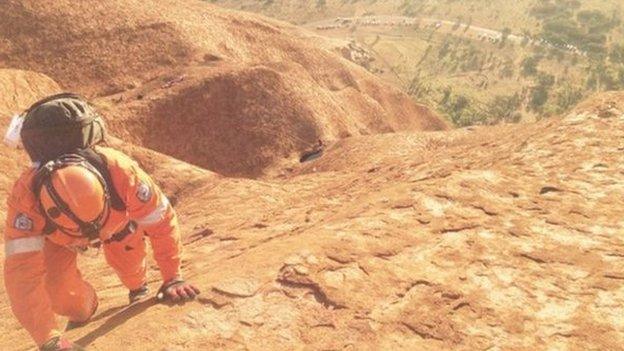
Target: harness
96,164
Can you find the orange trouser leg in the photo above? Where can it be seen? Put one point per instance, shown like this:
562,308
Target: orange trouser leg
69,294
127,258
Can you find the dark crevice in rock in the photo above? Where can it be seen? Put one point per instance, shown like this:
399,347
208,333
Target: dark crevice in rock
421,333
317,292
534,259
549,189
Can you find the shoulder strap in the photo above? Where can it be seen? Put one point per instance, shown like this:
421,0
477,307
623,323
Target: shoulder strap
95,160
49,227
99,161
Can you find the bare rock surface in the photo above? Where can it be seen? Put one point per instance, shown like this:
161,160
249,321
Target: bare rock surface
485,238
18,90
231,92
496,238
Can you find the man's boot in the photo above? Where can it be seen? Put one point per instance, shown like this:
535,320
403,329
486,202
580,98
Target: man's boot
138,294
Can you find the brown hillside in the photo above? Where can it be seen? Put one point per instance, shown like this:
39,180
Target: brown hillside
254,90
488,238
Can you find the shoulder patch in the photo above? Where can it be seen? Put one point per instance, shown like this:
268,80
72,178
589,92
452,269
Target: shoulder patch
23,222
144,192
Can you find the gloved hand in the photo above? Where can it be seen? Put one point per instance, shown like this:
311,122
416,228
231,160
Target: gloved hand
177,290
59,344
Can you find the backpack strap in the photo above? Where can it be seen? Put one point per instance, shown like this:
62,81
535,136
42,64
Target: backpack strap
97,161
49,227
100,163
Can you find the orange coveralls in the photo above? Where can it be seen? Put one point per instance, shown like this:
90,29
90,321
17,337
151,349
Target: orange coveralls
40,272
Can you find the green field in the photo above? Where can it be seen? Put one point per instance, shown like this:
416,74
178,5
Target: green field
565,50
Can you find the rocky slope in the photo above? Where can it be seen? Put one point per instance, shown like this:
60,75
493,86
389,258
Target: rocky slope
232,92
488,238
18,90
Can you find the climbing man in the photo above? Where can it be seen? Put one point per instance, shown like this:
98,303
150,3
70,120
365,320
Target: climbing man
80,197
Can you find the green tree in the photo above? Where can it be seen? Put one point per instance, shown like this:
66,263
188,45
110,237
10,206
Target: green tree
508,69
617,54
545,79
505,35
567,97
459,110
444,49
539,96
529,65
504,108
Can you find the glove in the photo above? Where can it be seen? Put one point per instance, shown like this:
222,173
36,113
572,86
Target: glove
177,290
59,344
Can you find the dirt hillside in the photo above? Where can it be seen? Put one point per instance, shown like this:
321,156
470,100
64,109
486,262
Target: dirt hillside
231,92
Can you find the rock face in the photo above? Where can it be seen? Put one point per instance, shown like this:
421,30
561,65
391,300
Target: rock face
239,122
506,237
231,92
488,238
18,90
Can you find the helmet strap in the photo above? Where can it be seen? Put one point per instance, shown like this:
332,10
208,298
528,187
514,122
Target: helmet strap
90,230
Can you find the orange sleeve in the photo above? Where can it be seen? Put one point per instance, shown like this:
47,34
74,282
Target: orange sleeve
24,267
149,207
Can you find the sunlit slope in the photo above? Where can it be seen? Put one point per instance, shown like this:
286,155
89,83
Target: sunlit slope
495,237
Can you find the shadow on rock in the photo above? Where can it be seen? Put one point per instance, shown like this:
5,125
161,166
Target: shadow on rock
116,320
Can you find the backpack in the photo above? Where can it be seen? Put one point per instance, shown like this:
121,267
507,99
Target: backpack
58,125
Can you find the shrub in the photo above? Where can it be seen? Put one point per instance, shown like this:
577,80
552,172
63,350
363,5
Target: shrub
567,97
539,96
503,107
529,65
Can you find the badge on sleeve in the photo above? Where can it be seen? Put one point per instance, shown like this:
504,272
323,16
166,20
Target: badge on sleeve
144,192
23,223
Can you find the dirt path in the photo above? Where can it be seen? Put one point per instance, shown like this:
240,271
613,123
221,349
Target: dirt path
372,21
463,29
